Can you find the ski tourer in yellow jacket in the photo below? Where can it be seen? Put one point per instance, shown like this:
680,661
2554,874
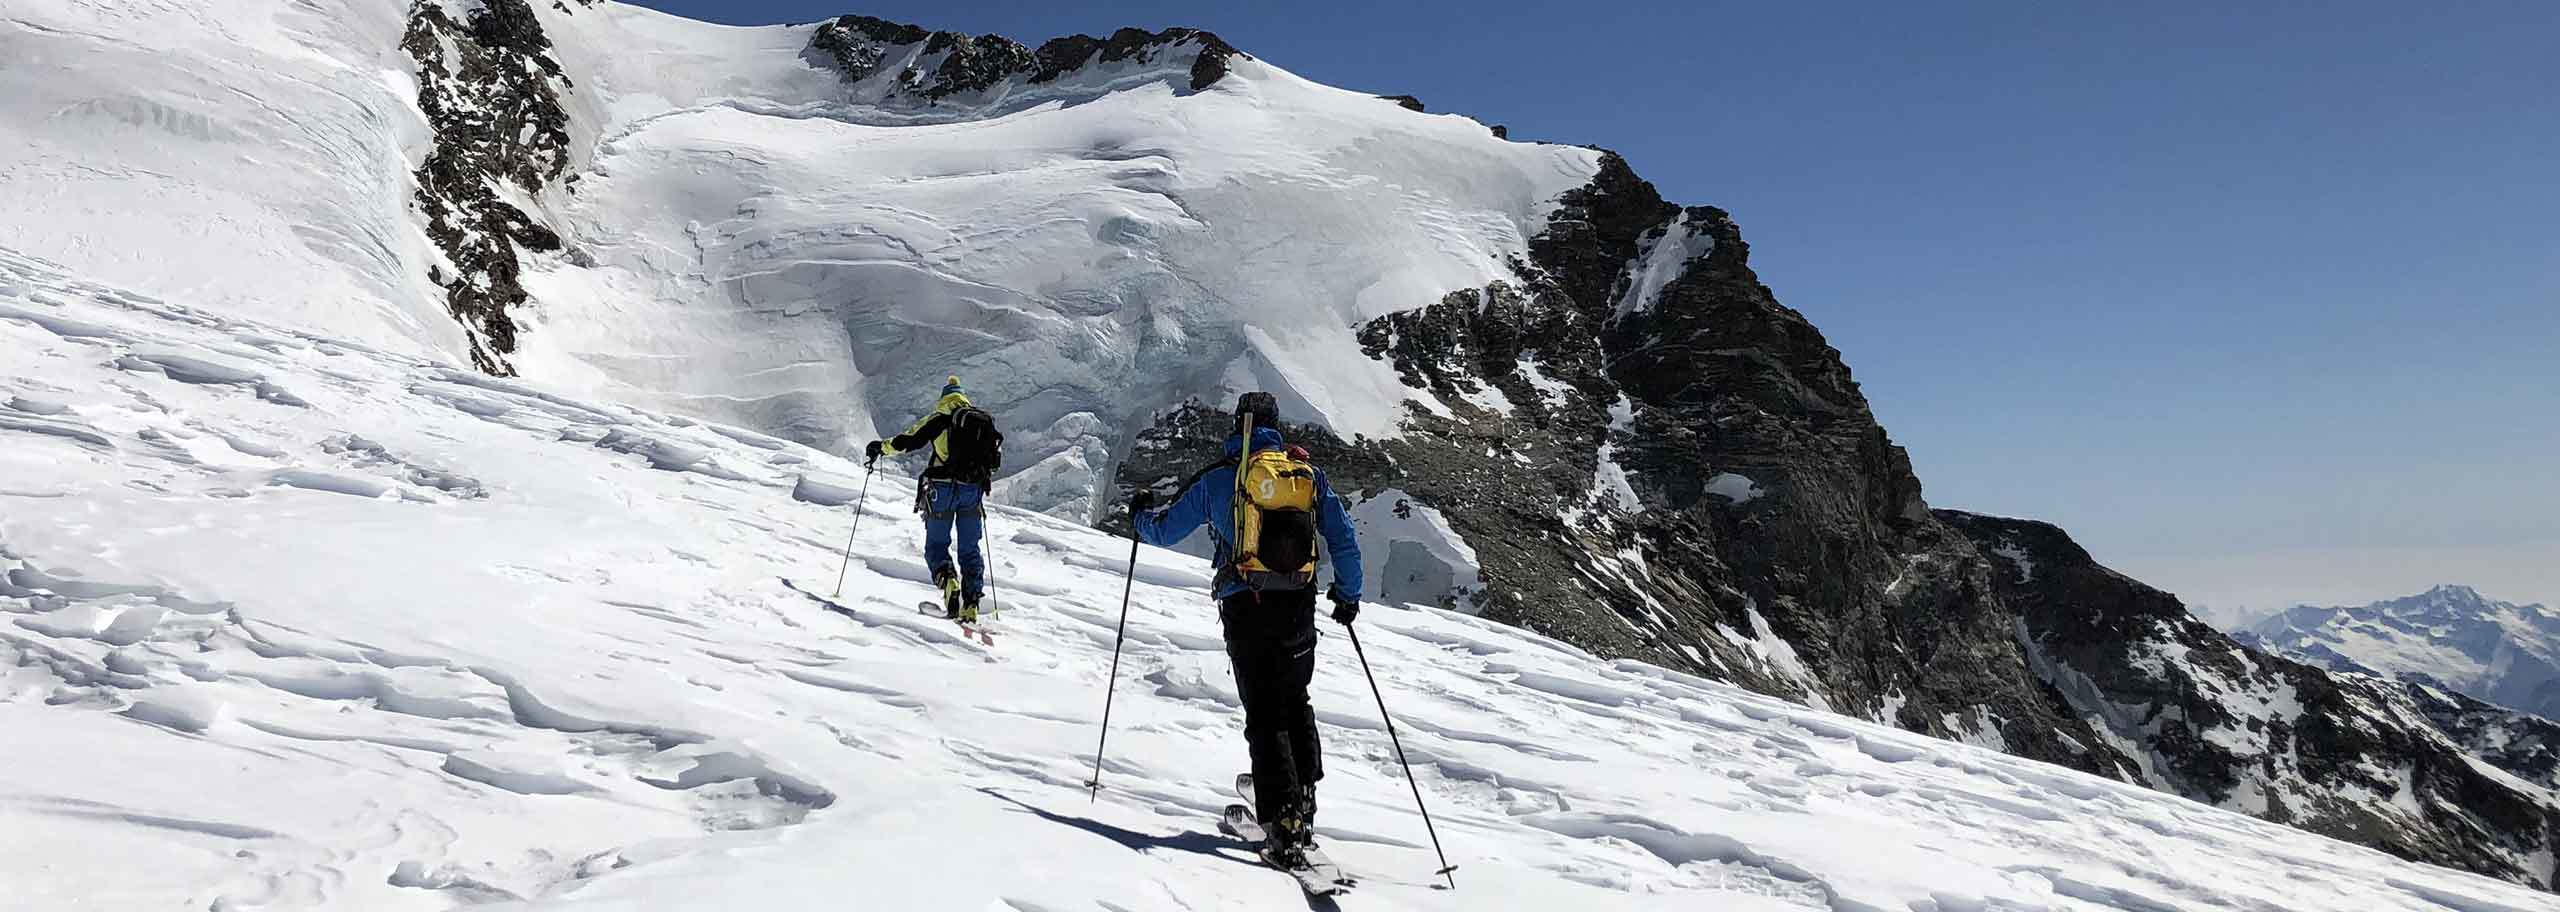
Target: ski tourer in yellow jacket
951,491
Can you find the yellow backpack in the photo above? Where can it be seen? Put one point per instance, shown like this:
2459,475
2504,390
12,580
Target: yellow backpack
1275,544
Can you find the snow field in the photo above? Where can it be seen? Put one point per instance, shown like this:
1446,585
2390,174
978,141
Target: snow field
291,622
205,148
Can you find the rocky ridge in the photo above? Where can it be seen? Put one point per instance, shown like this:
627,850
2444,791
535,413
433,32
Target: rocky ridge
933,65
490,90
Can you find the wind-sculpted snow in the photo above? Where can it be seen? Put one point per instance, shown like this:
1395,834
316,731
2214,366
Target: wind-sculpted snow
253,154
589,679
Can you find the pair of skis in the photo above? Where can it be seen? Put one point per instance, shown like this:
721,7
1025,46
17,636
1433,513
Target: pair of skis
952,610
1319,876
974,630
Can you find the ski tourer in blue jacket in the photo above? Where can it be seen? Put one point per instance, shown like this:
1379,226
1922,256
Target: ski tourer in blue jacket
1270,632
1210,500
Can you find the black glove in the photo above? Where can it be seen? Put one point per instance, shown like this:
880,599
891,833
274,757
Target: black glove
1345,609
1141,501
871,452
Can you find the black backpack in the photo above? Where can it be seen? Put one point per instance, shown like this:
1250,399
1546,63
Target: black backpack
973,448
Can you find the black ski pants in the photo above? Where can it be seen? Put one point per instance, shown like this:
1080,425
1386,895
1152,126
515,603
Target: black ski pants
1271,641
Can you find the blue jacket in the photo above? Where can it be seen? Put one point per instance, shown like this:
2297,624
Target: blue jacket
1210,499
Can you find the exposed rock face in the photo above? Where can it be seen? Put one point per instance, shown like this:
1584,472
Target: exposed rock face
2188,710
2523,744
491,91
1695,481
932,66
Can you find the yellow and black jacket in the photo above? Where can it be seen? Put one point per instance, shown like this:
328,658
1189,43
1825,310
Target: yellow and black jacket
929,431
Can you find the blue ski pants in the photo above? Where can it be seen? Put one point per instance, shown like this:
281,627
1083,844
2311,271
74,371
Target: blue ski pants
949,504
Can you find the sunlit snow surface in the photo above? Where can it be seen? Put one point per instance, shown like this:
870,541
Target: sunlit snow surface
253,155
290,623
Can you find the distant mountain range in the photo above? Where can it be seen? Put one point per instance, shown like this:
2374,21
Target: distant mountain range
2232,617
2449,636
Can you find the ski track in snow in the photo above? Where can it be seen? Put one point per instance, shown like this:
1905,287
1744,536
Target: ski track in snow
293,623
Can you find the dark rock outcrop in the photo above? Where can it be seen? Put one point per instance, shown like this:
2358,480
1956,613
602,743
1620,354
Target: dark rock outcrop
491,92
1406,102
1059,56
860,46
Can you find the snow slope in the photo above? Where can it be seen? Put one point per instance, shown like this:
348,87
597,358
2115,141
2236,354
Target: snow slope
761,241
209,148
294,622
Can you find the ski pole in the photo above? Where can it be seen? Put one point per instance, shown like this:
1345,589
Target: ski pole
1445,866
857,527
1094,787
987,553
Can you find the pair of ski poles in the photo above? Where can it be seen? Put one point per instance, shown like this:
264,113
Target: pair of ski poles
1093,787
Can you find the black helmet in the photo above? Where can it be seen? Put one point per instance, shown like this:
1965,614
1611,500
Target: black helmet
1264,409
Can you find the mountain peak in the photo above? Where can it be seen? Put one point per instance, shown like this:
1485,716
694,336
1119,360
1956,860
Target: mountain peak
2451,591
2448,601
2501,652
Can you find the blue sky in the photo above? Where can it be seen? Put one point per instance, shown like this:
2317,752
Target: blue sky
2260,303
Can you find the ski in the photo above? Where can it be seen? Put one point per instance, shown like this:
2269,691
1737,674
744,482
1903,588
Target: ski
823,601
1318,877
976,631
1317,881
1237,821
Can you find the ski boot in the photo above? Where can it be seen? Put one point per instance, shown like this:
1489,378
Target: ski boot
968,610
949,583
1284,843
1296,828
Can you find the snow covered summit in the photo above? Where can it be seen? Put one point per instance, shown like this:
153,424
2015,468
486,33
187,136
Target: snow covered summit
2498,651
288,621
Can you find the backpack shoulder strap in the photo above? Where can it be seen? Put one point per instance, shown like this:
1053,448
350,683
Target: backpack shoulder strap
1203,472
